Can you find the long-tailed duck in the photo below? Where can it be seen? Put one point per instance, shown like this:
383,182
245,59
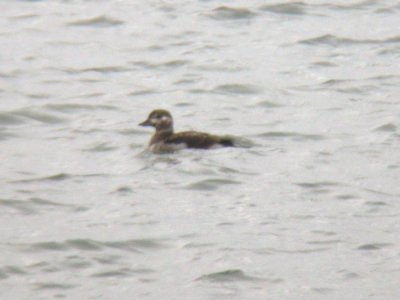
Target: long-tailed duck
165,140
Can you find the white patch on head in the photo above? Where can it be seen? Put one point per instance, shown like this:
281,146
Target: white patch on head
165,118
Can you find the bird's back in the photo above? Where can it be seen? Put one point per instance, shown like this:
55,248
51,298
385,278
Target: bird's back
199,140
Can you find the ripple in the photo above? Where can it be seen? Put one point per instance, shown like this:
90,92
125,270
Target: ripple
4,135
199,245
53,286
175,63
317,185
322,290
297,251
10,118
353,6
390,9
59,177
232,13
76,262
326,242
133,245
13,270
374,246
200,91
34,114
75,107
376,203
35,205
268,104
183,104
362,90
323,232
124,190
228,276
332,40
229,66
101,69
55,177
38,95
334,82
346,86
144,92
25,17
345,197
136,246
292,135
350,275
101,147
324,64
242,89
52,246
294,8
389,127
99,21
122,272
84,244
381,193
171,64
87,245
108,259
211,184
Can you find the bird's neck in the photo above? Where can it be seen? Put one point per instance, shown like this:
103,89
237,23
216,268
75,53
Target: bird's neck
161,134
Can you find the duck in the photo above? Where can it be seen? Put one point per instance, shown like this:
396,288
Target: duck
166,140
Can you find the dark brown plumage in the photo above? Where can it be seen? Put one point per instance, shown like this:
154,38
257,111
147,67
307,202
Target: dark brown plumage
194,139
165,140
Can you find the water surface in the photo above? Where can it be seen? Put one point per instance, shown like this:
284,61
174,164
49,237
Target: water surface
309,211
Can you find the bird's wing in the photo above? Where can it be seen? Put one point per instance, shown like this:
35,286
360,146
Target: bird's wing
194,139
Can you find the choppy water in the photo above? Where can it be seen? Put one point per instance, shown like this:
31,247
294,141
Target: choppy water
310,211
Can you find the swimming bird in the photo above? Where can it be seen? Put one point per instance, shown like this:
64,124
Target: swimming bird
165,140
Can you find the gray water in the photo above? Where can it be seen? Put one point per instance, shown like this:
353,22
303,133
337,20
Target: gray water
309,209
